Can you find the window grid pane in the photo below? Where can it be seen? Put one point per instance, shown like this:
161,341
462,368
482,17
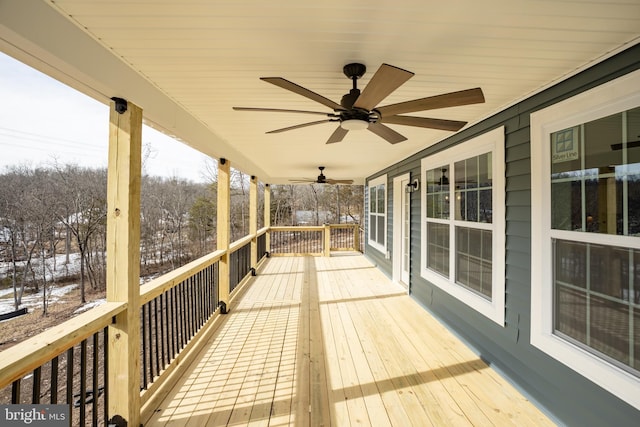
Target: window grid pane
381,206
438,248
437,185
377,214
473,260
595,176
381,230
597,299
473,189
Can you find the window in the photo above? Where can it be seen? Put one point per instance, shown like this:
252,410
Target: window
585,281
463,250
378,213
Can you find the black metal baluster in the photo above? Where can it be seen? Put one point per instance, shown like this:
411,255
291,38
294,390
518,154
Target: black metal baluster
144,346
35,391
197,301
194,307
105,364
161,313
155,337
183,313
175,321
169,323
215,297
206,302
70,383
95,385
209,282
214,294
190,307
83,382
15,392
54,380
202,297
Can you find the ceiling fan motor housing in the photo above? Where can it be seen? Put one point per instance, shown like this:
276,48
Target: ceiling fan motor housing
354,70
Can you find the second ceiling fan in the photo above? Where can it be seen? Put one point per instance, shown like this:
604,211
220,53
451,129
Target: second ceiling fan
358,110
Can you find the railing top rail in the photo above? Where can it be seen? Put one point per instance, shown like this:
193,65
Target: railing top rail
162,284
240,243
26,356
297,228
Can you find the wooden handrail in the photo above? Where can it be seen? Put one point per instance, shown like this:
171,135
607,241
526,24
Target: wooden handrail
344,225
26,356
297,228
162,284
233,247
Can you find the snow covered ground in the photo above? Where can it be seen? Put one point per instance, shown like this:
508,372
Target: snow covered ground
61,270
35,300
54,293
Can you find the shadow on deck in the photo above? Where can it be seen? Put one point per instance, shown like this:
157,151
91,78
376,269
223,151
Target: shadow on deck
331,341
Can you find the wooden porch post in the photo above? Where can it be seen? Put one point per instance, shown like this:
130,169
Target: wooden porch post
253,220
123,259
267,216
224,230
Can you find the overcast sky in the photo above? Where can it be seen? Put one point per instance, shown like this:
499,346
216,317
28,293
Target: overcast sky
42,121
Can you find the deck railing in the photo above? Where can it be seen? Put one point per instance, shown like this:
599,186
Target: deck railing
68,363
315,240
64,365
174,308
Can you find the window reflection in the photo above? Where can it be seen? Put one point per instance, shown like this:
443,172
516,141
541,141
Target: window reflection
438,248
597,297
437,185
595,179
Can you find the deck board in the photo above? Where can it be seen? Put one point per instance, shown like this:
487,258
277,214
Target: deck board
317,341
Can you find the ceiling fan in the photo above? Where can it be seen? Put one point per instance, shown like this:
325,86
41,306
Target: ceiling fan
322,179
358,110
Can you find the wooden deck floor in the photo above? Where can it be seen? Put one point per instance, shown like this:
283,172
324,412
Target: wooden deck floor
331,341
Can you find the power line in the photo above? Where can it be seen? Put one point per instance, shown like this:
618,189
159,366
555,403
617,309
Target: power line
36,136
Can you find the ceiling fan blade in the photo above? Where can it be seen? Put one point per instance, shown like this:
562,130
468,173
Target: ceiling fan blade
339,181
286,84
279,110
337,135
302,181
390,135
424,122
299,126
453,99
387,79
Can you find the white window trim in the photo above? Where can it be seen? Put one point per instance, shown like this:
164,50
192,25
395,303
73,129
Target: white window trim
610,98
374,183
493,142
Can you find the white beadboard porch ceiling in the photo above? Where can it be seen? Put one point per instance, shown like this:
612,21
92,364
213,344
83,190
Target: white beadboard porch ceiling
188,62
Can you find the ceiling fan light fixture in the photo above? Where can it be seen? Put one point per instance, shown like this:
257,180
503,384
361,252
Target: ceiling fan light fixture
354,124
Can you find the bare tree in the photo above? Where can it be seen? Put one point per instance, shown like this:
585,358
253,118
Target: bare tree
82,209
13,226
239,204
